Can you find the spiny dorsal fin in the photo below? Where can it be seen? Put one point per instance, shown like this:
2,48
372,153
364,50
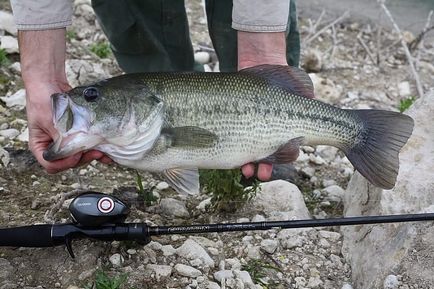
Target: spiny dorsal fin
293,79
286,153
190,136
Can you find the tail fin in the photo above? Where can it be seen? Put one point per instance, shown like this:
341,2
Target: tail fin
375,152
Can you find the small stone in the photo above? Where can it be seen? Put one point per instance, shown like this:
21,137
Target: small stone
212,285
233,263
154,245
324,243
308,171
328,183
300,282
258,218
202,57
192,250
168,250
404,89
82,172
35,183
162,186
72,287
15,67
132,251
313,60
269,245
314,282
35,204
9,133
254,253
244,276
57,285
316,159
391,282
159,271
7,23
223,274
16,100
334,193
173,207
116,260
24,136
75,186
329,235
243,220
347,286
328,153
9,44
187,271
204,205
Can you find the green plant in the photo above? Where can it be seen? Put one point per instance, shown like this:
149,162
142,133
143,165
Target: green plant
258,270
4,60
147,195
71,34
227,193
103,281
405,103
101,49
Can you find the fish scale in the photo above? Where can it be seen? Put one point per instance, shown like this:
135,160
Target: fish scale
177,122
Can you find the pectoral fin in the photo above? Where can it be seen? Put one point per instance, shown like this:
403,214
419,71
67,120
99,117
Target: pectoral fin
287,152
190,136
184,181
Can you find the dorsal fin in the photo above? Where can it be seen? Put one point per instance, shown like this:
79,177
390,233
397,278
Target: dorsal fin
293,79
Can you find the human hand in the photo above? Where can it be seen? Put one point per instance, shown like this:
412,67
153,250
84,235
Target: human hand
256,48
42,131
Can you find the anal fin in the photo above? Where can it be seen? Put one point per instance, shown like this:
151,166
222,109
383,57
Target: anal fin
286,153
184,181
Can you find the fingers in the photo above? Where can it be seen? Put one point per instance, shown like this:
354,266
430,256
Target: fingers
264,171
58,165
263,174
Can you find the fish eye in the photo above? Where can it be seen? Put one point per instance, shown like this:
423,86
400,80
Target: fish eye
90,94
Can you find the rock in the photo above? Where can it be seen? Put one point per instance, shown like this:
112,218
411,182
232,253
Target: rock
202,57
281,196
131,251
204,205
328,153
391,282
175,208
292,238
308,171
212,285
7,269
258,218
269,245
159,271
254,252
347,286
404,89
187,271
329,235
7,23
191,250
325,89
233,263
314,282
79,71
312,60
244,276
162,186
377,250
116,260
223,274
9,133
4,157
168,250
15,67
9,44
17,100
24,136
333,193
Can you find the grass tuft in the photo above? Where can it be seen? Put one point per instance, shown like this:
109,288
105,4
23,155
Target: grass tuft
404,104
225,189
104,281
147,195
101,49
4,60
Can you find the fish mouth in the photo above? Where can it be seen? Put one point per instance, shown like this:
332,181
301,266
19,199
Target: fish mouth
72,123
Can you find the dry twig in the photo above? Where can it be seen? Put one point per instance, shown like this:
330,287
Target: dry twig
310,39
404,45
368,51
418,40
61,198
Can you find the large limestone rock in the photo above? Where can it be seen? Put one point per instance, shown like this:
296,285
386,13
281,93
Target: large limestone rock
406,249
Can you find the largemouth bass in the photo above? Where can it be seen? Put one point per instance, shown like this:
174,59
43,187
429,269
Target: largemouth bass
175,123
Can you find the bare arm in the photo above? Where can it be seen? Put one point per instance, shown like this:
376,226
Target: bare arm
43,70
256,48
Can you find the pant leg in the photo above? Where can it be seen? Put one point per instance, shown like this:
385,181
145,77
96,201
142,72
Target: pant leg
224,37
147,35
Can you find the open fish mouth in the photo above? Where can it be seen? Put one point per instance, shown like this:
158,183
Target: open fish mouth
72,123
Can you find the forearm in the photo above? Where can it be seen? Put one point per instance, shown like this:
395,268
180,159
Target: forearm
43,57
255,48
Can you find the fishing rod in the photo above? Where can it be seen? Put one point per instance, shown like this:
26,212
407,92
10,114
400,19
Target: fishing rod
100,216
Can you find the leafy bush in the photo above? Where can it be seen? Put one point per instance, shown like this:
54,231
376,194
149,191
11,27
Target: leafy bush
404,104
227,193
101,49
